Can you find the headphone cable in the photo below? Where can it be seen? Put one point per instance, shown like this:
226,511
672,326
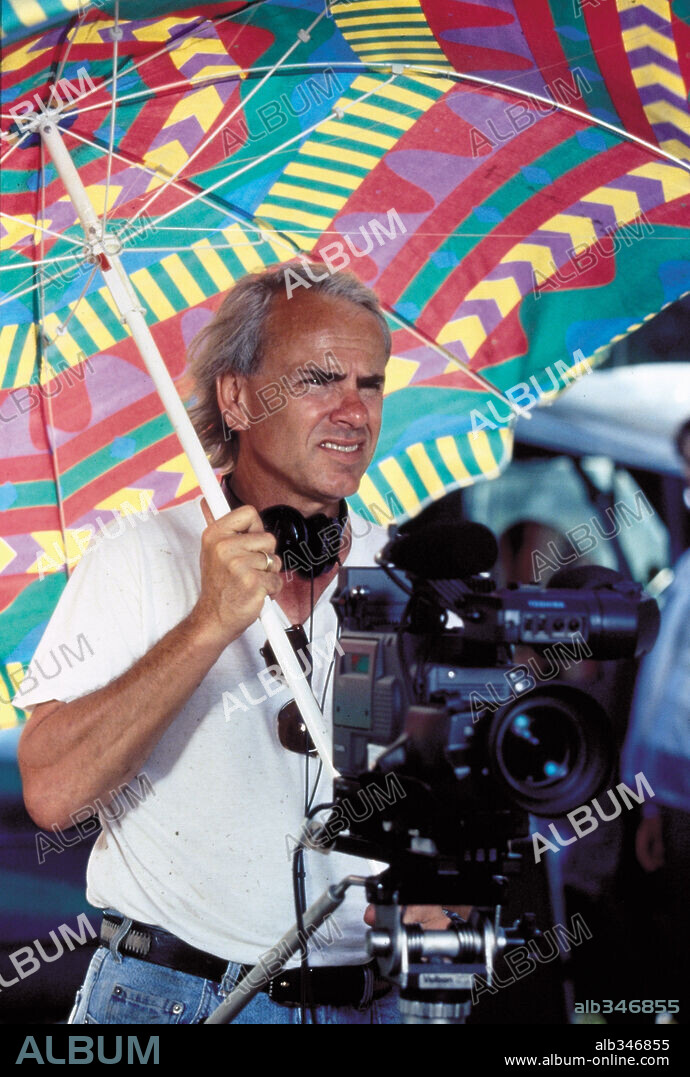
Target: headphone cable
299,873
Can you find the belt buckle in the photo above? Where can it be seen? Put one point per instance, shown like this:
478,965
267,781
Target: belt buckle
138,942
122,938
116,934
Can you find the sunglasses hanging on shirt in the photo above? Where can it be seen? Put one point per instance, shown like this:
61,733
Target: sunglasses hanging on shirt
292,732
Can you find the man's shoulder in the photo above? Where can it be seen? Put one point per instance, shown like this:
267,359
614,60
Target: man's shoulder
181,522
172,528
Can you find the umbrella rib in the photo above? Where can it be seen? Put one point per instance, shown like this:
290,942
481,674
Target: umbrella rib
462,363
11,296
13,147
242,105
410,69
190,250
63,326
157,91
113,108
36,286
135,65
259,160
134,163
39,284
201,228
241,73
594,121
38,262
183,186
41,228
70,41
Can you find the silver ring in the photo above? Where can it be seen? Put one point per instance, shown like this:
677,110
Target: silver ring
269,561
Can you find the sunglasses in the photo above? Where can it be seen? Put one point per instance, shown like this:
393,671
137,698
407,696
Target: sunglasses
292,731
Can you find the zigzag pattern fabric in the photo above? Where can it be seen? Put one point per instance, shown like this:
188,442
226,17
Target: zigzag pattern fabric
509,233
648,37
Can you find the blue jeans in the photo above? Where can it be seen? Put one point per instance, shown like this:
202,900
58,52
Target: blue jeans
122,990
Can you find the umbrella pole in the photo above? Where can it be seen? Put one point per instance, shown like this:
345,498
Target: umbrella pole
104,252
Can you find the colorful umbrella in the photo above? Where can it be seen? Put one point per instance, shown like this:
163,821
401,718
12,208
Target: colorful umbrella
511,178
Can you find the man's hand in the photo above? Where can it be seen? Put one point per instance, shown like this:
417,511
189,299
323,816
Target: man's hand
431,917
235,578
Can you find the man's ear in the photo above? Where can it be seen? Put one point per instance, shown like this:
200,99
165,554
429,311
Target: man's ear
230,392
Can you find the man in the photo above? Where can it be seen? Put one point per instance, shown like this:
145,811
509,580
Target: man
658,745
658,740
197,876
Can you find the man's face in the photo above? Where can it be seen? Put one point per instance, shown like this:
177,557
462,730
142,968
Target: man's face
314,450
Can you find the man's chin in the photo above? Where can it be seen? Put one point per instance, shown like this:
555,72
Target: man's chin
345,486
339,480
330,499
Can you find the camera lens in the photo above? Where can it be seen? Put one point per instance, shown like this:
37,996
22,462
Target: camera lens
539,746
552,751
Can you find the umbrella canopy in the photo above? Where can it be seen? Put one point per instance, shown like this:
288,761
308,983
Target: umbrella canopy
511,178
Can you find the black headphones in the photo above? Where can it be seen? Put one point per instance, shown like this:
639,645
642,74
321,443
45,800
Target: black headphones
307,545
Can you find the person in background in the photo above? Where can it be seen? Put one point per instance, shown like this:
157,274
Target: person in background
658,745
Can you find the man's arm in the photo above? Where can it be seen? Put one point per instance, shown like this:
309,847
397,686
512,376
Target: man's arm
72,753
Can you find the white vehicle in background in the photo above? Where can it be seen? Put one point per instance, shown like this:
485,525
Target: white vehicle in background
592,476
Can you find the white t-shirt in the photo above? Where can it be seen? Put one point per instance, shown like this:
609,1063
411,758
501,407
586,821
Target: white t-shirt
207,853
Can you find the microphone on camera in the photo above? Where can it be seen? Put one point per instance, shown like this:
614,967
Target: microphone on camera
447,510
443,551
436,545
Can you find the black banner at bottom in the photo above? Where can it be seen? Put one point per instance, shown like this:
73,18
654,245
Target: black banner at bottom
588,1047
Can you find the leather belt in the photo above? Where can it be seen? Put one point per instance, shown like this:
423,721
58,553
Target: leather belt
342,985
161,948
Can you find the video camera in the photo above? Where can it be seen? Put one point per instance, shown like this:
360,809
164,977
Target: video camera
456,743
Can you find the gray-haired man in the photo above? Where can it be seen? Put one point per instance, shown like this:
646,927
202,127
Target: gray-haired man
197,879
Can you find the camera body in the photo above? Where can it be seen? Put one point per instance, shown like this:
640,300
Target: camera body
445,743
426,689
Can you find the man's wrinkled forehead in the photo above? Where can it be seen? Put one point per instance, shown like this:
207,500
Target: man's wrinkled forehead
316,324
